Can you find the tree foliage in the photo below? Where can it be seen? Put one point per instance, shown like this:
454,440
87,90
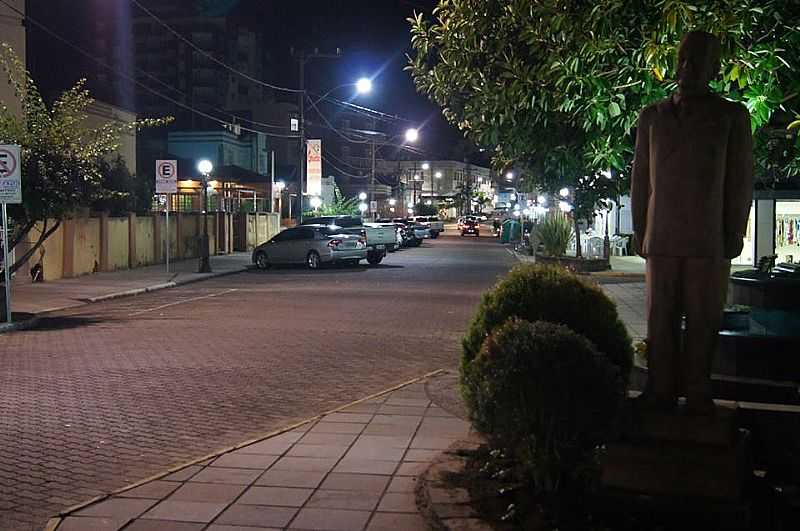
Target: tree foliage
555,86
62,165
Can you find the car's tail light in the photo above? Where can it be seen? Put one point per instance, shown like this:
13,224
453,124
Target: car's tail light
333,244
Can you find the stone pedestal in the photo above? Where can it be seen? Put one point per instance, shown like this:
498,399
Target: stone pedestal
677,455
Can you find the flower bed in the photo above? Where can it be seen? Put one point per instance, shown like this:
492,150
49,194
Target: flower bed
577,265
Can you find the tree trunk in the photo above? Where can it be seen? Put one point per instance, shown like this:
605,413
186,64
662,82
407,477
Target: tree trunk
578,252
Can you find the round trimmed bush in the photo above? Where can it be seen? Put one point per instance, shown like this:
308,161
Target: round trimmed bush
546,394
549,293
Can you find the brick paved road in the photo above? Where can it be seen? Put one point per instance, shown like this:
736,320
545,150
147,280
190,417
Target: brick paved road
112,393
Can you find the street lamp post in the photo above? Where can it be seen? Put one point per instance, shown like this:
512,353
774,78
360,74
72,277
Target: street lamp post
204,167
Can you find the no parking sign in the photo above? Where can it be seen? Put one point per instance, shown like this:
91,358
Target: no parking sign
10,180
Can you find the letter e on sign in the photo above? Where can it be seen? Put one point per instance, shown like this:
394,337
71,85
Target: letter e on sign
166,176
10,178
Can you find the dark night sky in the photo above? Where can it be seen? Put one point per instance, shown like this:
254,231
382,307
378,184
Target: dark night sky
373,35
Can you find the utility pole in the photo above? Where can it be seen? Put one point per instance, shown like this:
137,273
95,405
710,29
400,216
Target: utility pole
372,183
302,126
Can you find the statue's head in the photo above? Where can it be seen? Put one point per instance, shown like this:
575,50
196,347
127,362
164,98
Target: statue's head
698,61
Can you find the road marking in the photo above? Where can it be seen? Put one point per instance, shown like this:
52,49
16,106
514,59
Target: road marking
182,302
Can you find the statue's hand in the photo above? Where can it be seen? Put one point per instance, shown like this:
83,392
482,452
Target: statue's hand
637,245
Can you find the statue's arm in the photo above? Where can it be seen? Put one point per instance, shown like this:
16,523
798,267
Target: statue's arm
640,180
738,182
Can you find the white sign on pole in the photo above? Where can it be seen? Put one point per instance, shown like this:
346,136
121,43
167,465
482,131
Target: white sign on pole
10,180
373,206
314,167
166,176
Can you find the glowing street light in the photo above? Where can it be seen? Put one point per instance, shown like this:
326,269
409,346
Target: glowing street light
315,202
205,167
542,200
410,204
564,192
412,135
426,166
428,202
362,196
392,201
362,207
564,206
510,176
364,85
438,175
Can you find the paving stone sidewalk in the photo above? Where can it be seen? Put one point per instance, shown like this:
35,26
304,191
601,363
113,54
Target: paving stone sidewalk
28,297
353,469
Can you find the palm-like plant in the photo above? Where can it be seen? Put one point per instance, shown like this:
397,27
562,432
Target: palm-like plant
555,233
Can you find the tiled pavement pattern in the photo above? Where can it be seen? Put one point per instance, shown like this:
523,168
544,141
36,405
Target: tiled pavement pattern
105,395
352,470
630,300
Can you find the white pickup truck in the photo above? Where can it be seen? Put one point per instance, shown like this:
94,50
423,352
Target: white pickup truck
379,238
435,225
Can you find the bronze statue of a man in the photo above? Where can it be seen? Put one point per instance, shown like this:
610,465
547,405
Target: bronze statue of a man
691,191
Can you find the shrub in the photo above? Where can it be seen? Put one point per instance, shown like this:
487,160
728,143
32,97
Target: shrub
555,233
542,293
548,397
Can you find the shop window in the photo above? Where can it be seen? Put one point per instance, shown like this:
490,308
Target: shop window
748,251
787,231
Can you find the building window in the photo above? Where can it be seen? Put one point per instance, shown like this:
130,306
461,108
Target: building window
787,231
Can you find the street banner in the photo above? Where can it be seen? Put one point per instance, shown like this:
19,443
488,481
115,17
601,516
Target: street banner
166,176
314,167
10,176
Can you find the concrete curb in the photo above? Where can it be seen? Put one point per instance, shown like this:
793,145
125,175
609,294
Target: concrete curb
444,507
165,285
54,522
30,323
19,325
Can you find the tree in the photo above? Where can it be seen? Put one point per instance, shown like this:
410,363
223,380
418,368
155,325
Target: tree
555,86
62,160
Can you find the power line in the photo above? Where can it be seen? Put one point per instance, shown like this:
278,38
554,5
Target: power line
343,172
138,83
208,55
364,110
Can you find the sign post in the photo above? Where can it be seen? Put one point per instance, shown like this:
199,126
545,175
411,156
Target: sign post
167,183
10,192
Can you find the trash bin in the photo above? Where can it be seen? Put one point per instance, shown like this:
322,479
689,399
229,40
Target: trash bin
510,231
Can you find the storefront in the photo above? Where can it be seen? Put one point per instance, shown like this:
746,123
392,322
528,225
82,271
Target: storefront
773,226
787,230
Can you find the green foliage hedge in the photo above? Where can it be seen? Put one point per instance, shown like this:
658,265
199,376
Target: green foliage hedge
548,396
553,294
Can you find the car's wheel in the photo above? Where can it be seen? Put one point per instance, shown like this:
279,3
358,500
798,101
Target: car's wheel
463,234
262,261
374,258
313,260
434,235
477,234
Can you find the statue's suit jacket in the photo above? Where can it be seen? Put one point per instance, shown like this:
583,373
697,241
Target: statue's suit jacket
692,182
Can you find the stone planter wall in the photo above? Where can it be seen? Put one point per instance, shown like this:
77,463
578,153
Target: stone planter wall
578,265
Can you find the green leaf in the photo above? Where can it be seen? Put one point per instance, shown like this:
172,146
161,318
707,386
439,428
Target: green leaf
614,110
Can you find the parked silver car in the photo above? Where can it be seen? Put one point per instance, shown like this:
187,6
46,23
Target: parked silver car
312,245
